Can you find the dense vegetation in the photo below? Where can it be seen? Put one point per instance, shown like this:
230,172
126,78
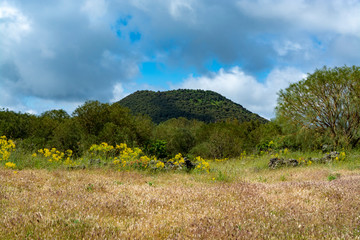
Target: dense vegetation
206,106
319,111
95,122
234,131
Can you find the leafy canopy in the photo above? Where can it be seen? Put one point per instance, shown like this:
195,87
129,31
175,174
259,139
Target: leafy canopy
327,101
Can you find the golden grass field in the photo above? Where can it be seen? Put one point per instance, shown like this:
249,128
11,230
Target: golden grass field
240,203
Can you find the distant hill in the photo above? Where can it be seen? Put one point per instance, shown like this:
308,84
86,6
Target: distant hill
207,106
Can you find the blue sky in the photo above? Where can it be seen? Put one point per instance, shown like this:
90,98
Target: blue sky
58,54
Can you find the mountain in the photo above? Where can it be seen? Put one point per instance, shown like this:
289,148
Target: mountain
207,106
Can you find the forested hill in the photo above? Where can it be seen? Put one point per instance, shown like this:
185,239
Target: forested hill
207,106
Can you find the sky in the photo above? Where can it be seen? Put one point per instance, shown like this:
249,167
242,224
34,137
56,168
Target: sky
57,54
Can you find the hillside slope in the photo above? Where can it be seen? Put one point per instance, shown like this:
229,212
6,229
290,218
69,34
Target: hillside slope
207,106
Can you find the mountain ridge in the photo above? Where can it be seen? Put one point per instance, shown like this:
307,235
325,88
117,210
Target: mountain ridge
203,105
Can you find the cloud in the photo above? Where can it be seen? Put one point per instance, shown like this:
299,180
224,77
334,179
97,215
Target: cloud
95,9
118,93
13,24
71,51
244,89
334,16
61,54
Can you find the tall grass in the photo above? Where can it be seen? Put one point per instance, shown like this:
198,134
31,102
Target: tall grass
106,204
237,199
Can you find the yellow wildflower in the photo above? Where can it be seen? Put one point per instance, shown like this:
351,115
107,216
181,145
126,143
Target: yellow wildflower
10,165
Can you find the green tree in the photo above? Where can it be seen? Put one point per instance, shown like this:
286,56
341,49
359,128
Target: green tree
178,133
67,135
326,102
58,115
92,116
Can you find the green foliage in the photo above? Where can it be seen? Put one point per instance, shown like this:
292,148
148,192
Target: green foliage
16,125
156,148
326,102
67,135
179,135
206,106
95,122
332,176
225,139
112,124
222,177
58,115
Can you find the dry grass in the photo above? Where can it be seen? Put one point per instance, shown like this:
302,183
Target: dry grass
104,204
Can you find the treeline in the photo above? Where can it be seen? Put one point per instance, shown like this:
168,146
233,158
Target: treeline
96,122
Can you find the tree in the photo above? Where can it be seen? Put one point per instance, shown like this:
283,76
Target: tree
92,116
327,101
58,115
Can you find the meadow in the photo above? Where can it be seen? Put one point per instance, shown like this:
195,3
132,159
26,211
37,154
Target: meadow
46,197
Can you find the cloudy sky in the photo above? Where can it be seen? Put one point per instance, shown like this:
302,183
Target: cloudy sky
59,53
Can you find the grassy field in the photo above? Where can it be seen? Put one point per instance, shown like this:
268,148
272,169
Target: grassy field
238,199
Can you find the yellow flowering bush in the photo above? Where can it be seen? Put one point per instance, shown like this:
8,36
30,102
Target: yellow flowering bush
102,150
54,155
130,158
6,147
201,164
176,162
160,165
10,165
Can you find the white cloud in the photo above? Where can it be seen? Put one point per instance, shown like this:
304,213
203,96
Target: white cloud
182,10
287,46
340,16
118,93
13,25
95,9
245,89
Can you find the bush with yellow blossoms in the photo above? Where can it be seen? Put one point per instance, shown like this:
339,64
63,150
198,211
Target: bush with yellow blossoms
201,164
56,156
176,162
121,157
10,165
103,150
134,158
130,158
6,148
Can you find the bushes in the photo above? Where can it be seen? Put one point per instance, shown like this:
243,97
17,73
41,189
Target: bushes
95,122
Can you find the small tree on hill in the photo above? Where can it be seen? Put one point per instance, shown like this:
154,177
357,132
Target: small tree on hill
327,101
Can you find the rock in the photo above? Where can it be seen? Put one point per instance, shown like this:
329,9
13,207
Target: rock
330,157
292,162
280,162
189,165
276,163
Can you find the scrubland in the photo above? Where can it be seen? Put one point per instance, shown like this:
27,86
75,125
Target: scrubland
236,199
